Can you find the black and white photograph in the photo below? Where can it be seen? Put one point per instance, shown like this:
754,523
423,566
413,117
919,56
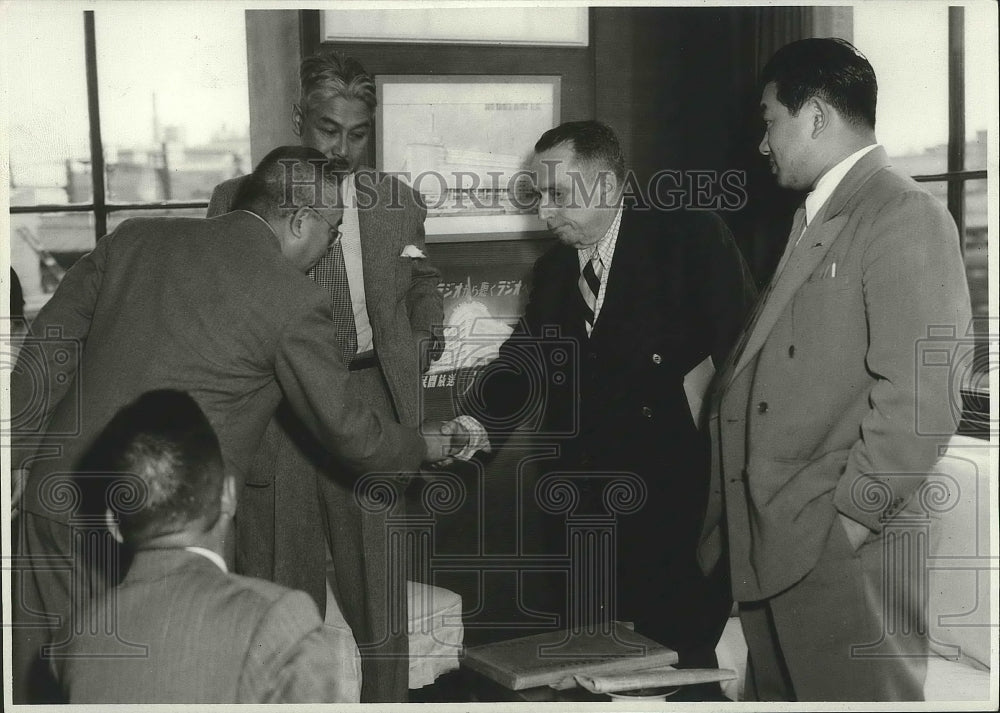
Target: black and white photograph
499,355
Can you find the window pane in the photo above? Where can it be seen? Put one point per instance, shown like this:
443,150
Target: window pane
42,247
120,216
49,132
976,252
980,80
907,46
174,106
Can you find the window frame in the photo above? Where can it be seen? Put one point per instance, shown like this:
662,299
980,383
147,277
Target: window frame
98,205
975,399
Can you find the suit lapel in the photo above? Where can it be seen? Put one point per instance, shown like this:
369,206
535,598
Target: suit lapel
377,260
813,247
564,306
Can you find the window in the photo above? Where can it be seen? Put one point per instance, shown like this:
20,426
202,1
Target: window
936,98
122,112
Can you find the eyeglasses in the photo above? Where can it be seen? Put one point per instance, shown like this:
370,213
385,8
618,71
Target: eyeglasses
334,229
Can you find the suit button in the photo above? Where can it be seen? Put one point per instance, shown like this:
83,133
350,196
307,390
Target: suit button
657,359
791,351
592,356
647,412
762,407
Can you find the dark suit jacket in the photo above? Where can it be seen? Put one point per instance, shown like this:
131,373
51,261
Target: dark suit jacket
677,292
209,307
287,544
187,632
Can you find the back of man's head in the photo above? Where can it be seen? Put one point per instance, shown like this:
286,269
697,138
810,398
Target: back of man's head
289,178
166,452
330,74
829,68
594,144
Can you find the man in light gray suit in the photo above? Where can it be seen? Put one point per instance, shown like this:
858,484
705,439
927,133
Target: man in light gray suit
185,629
385,315
827,419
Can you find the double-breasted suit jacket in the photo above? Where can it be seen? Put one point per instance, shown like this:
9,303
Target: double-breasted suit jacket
830,407
677,293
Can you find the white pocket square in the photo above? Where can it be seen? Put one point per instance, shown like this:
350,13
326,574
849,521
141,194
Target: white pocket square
412,251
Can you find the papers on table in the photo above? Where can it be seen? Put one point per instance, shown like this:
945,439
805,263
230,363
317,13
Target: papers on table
664,676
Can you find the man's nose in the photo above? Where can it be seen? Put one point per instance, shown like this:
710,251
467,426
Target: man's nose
340,146
544,208
763,147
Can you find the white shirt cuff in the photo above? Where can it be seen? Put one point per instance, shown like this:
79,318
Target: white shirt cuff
478,439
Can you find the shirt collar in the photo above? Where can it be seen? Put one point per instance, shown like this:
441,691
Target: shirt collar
209,554
829,181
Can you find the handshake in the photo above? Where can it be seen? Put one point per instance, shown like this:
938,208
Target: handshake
445,441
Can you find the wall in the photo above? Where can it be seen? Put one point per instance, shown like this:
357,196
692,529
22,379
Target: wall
274,50
677,84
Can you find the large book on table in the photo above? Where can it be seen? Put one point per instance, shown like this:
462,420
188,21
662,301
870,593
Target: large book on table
551,658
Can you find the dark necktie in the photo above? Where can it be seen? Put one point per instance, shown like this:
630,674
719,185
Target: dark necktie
330,273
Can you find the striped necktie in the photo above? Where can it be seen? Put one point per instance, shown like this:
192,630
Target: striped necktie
330,273
590,287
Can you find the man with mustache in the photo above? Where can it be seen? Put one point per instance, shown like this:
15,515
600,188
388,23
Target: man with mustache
386,307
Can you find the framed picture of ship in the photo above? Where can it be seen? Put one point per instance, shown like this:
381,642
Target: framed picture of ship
464,142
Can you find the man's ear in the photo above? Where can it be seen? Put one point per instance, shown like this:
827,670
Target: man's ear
228,499
112,523
822,114
609,186
297,221
297,119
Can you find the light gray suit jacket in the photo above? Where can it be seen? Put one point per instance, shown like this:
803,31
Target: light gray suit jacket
403,300
830,407
209,307
184,631
286,540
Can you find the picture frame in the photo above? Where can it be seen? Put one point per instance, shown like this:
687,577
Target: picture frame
495,26
464,142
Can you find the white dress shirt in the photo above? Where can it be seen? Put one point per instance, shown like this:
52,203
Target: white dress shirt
829,181
350,241
605,247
